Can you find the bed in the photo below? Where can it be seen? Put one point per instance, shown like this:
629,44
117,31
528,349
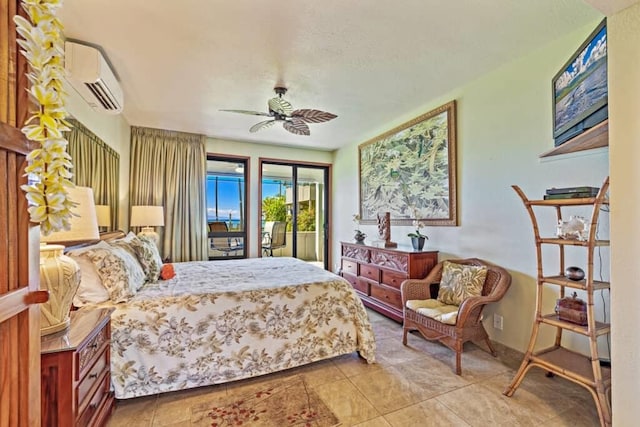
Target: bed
220,321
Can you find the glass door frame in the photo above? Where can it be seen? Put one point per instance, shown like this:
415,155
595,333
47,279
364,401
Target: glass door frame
294,164
243,234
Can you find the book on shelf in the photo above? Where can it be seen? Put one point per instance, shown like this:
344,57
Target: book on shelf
568,196
593,191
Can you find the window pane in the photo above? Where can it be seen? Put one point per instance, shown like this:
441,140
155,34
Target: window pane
225,189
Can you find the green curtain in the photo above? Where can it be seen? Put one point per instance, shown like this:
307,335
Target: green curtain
169,169
95,165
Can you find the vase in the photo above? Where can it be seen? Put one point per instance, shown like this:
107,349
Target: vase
60,275
359,238
418,243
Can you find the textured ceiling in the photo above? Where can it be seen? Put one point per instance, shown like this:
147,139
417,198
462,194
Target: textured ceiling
373,63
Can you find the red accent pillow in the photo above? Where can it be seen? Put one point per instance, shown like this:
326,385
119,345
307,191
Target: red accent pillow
167,272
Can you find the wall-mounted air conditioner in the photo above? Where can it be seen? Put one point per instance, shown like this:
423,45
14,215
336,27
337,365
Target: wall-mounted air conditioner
90,74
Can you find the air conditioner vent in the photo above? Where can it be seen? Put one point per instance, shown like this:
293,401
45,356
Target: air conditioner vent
104,96
90,75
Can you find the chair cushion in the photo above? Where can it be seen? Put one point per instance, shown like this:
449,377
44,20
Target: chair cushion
460,281
444,313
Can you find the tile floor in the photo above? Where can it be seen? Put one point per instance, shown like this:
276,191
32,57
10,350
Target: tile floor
408,386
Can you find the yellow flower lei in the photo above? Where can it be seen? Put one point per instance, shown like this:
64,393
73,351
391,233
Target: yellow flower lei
42,46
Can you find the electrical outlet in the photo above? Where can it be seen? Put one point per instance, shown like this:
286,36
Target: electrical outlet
497,322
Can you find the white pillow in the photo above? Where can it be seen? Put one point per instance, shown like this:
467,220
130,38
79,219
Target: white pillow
119,271
136,273
149,257
91,290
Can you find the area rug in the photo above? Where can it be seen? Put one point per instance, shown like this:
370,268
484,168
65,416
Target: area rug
289,402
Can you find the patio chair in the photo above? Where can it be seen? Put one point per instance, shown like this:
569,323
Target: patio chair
274,237
224,244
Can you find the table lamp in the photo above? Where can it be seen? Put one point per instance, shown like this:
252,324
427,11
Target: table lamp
103,212
59,274
147,217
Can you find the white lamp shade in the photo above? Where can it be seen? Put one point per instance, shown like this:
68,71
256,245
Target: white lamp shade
103,212
147,216
84,222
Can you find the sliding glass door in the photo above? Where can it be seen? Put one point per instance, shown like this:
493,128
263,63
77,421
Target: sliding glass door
226,207
294,197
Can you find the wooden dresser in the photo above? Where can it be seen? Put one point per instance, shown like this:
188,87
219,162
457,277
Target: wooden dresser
75,370
376,273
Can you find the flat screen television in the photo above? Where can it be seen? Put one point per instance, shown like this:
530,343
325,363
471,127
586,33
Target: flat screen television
580,93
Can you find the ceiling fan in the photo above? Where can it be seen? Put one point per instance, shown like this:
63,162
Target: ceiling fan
280,110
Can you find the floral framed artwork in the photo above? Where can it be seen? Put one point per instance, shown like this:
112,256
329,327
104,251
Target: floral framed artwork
410,171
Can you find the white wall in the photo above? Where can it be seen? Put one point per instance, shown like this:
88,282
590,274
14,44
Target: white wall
255,152
116,132
504,123
624,104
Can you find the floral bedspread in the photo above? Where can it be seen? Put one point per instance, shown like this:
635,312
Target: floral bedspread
219,321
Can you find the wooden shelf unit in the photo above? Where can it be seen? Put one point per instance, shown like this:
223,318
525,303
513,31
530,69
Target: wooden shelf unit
584,370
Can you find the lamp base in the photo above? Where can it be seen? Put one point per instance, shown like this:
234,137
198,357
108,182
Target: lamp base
61,326
60,275
150,233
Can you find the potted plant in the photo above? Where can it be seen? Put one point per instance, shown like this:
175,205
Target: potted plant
359,236
417,238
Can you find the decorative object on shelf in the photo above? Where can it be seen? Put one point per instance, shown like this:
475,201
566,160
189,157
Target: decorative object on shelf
59,274
412,165
574,273
384,230
104,217
147,217
572,309
577,228
417,238
358,236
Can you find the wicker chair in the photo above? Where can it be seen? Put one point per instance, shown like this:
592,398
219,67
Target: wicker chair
468,326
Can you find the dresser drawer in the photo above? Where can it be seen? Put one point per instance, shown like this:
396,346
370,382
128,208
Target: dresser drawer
351,278
370,272
362,285
387,295
393,279
349,267
89,353
95,404
88,383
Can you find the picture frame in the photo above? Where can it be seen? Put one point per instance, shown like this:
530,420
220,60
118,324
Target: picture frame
410,171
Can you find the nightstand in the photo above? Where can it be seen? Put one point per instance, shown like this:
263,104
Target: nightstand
75,371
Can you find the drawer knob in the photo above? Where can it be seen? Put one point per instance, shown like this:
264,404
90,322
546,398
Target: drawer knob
92,376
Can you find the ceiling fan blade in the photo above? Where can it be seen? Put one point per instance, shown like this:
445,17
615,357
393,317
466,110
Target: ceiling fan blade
262,125
280,106
313,116
297,126
253,113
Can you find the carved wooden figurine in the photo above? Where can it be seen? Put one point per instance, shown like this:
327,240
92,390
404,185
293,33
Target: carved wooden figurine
384,230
